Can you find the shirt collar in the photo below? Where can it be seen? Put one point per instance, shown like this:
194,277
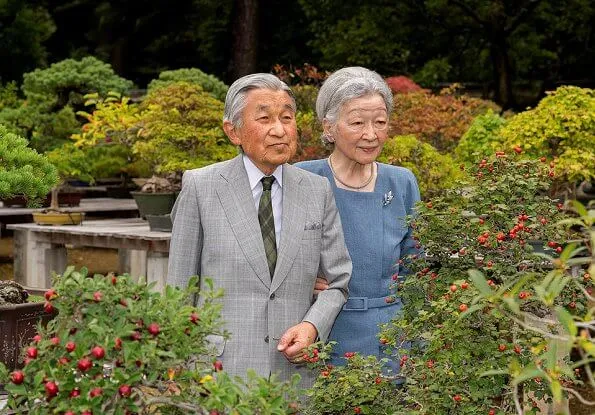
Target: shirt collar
254,173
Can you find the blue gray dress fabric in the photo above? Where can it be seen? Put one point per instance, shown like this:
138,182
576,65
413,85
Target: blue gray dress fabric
377,236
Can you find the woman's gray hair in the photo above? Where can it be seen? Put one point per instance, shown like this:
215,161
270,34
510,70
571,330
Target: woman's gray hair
347,84
235,100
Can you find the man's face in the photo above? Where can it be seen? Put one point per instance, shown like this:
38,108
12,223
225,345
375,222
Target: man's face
268,134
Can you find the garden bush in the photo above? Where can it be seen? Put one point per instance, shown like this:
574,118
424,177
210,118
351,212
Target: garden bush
52,97
310,145
402,85
481,139
562,127
470,352
209,83
440,120
23,171
118,347
435,172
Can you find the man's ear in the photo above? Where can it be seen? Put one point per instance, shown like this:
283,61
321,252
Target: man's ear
232,133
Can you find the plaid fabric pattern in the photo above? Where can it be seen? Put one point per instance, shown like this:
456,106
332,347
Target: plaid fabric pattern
267,223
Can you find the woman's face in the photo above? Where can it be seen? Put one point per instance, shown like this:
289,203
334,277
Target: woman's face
361,129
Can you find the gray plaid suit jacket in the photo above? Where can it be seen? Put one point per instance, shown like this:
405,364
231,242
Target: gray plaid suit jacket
216,234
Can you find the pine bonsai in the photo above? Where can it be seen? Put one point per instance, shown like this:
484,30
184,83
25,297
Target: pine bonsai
23,171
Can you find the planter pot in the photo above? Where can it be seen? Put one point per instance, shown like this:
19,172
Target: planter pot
154,203
70,199
18,325
160,223
58,218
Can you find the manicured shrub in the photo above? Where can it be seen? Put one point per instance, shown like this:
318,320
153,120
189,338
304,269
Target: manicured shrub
440,120
23,171
481,139
179,128
209,83
562,127
402,85
305,97
52,97
435,172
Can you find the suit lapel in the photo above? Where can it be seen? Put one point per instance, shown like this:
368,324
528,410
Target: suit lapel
294,218
236,198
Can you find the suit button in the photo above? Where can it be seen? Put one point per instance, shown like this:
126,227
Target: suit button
266,339
272,296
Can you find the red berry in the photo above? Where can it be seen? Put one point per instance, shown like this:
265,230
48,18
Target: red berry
552,244
501,347
50,294
572,305
194,318
84,364
32,352
453,288
51,389
218,365
517,149
48,307
457,398
463,308
69,413
114,280
63,360
17,377
118,343
492,412
559,249
98,352
125,391
543,160
517,349
136,336
86,412
357,410
153,329
37,338
55,341
325,373
95,392
464,285
70,346
97,296
523,295
349,355
75,393
378,380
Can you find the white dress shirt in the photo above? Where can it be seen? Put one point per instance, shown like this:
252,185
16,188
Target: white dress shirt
254,176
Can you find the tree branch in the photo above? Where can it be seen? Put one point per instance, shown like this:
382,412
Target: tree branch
468,10
520,17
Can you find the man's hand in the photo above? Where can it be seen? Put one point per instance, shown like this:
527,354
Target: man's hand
320,285
295,339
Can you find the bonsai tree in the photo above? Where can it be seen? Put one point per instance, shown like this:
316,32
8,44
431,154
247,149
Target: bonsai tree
208,83
71,163
23,171
179,128
116,346
53,96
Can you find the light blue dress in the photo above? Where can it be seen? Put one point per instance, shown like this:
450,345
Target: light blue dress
377,236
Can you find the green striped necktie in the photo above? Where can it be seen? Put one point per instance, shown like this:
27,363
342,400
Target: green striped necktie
267,223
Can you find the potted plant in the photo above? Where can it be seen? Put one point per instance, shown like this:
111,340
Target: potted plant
23,171
71,163
20,313
116,346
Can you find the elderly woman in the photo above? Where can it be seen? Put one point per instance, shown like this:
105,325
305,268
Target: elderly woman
374,200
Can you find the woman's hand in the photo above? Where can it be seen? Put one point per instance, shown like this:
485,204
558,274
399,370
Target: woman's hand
320,285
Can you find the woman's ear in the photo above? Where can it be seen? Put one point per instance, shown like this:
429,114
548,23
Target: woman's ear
232,133
327,128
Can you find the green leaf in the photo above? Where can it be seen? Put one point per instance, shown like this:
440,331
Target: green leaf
527,373
566,319
480,282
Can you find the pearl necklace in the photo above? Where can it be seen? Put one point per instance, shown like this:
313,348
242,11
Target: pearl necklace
330,163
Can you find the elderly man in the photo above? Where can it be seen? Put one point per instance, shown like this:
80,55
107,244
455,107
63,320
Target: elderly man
262,230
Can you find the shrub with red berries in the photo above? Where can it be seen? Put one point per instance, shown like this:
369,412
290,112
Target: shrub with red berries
473,325
117,347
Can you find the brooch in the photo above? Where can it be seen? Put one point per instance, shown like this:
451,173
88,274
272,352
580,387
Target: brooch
388,197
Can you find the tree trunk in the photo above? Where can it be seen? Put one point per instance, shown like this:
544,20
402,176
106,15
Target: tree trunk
244,54
502,72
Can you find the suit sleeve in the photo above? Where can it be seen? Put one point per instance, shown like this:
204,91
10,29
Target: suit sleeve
187,236
335,265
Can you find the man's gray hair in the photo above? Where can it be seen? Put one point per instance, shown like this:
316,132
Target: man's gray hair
235,100
347,84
